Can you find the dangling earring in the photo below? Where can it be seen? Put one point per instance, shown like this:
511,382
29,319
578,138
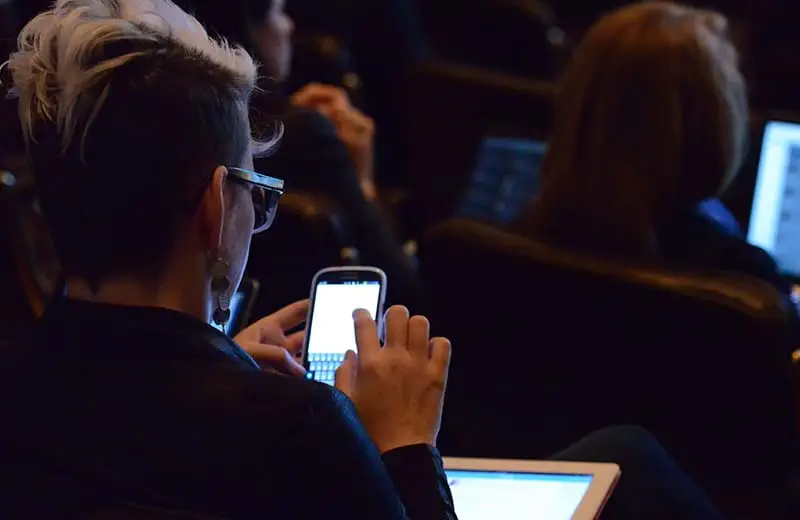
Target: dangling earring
220,284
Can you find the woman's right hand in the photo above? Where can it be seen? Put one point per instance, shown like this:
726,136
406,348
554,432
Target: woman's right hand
398,389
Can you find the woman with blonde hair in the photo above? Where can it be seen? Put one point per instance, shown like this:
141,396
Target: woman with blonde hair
651,124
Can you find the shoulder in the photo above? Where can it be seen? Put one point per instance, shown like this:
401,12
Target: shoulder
702,243
263,395
284,409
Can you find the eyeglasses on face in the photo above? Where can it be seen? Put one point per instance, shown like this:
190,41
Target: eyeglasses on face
266,192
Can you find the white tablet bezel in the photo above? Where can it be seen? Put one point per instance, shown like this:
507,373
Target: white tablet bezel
604,477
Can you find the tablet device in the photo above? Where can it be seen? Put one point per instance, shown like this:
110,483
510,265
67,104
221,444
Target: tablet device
775,213
492,489
505,178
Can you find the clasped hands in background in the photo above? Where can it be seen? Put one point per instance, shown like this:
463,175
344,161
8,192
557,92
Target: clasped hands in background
398,389
355,129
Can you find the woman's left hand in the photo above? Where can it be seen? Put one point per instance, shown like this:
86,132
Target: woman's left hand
267,342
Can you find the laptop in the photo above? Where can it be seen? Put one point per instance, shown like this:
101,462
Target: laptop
504,180
492,489
775,212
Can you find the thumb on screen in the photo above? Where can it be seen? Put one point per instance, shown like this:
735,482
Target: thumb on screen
346,374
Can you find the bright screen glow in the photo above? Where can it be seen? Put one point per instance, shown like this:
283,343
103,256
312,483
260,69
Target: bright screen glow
236,308
332,329
480,495
775,216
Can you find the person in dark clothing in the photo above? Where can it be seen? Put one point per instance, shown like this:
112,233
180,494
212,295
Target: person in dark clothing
386,41
125,394
310,145
649,477
327,145
156,407
650,127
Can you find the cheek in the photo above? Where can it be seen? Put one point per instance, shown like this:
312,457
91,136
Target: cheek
238,234
239,222
245,215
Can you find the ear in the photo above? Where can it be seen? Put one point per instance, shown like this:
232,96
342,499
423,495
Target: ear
212,211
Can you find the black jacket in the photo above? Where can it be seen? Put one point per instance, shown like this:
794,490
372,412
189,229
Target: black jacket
108,406
311,158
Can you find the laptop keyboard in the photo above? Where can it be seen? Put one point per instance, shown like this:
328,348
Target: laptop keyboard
322,367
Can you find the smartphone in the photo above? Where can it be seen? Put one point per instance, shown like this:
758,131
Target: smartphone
335,293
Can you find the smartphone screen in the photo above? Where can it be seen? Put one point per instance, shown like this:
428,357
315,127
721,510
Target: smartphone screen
330,330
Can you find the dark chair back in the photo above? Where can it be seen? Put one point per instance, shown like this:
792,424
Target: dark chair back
526,39
308,235
444,139
548,346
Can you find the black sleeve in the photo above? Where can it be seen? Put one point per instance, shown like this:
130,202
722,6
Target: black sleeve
419,478
312,158
351,478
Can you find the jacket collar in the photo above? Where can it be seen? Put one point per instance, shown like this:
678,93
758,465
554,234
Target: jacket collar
126,332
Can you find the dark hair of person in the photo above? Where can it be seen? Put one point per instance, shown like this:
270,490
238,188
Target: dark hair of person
232,20
650,118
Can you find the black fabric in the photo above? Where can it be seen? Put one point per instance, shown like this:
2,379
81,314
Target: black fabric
108,406
386,42
651,486
702,241
699,242
311,158
700,361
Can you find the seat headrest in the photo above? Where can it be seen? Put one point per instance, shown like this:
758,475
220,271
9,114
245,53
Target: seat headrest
729,289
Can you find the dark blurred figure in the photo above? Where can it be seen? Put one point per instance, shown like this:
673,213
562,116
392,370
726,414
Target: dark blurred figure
775,46
8,28
576,16
526,40
650,128
327,146
386,41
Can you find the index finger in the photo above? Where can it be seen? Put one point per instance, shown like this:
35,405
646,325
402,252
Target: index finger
290,316
366,334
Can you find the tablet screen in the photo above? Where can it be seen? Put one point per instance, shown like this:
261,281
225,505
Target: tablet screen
775,215
505,178
490,495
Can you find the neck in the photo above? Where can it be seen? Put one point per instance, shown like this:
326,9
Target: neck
186,298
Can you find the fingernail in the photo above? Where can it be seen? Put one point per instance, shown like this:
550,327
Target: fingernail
358,312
